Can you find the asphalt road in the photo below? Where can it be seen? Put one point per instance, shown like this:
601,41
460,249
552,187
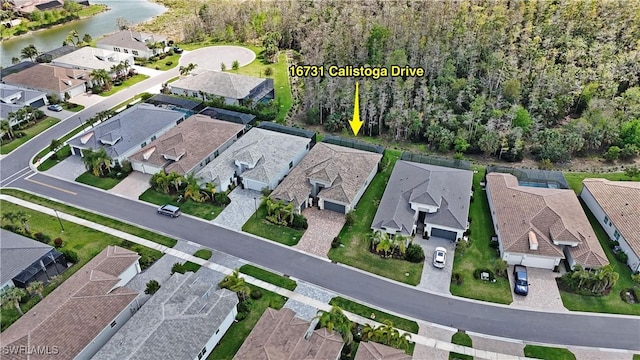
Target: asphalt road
593,330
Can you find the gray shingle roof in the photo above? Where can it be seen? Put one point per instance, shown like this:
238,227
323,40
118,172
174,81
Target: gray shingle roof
270,151
130,39
133,125
447,188
17,253
218,83
25,96
94,58
176,322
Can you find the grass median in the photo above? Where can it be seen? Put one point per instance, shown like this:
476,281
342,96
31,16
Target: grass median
258,225
548,353
268,276
204,210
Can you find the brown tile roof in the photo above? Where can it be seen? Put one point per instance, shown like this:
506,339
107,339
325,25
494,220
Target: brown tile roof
374,351
196,137
620,200
48,77
71,316
548,213
279,335
344,168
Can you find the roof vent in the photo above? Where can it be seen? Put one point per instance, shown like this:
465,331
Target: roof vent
533,241
147,154
86,138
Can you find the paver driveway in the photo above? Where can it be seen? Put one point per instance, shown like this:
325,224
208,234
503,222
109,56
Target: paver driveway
68,169
324,225
543,291
243,205
133,185
434,279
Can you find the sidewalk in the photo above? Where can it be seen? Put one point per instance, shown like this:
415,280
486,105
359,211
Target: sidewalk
418,339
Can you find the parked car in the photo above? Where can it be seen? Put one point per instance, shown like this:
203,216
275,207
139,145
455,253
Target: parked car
177,50
521,281
169,210
440,257
54,107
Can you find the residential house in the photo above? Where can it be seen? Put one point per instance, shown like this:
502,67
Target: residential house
332,177
14,98
127,132
260,159
48,56
539,227
433,199
368,350
76,319
90,58
187,147
279,334
138,44
23,260
248,120
616,205
50,79
28,6
184,319
235,89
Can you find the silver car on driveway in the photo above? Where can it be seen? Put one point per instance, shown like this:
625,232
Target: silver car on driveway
440,257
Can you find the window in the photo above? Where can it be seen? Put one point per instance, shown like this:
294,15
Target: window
153,137
217,331
616,235
204,351
143,144
134,52
126,51
113,323
290,165
116,49
606,219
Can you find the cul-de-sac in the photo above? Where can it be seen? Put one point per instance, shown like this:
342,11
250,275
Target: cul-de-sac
319,180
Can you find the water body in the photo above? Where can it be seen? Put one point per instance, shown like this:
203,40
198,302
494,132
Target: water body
135,11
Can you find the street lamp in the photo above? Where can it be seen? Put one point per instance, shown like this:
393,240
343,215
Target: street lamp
59,221
255,203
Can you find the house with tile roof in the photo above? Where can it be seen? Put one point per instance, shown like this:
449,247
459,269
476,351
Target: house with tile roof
14,98
184,319
279,334
90,58
76,319
23,260
429,198
234,88
259,159
539,227
368,350
52,80
331,176
127,132
187,147
616,205
136,43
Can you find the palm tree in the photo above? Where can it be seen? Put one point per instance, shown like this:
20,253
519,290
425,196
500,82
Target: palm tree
335,319
161,179
22,217
236,284
371,333
389,333
402,341
30,52
385,244
210,188
10,216
13,295
36,287
176,180
6,128
185,70
101,76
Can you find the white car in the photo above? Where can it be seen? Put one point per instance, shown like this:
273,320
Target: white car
439,257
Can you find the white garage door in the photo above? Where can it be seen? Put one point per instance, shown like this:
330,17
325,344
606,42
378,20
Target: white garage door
514,259
137,166
539,262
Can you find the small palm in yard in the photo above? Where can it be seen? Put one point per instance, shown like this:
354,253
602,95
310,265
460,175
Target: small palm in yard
335,319
386,334
36,287
152,287
236,284
13,295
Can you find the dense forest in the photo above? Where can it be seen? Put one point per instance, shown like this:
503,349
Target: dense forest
553,78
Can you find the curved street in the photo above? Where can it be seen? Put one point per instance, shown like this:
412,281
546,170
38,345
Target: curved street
566,328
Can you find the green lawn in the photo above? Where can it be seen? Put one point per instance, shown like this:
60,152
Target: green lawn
29,133
104,183
63,153
480,255
548,353
636,356
238,332
46,150
127,83
27,25
380,316
611,303
73,107
106,221
161,64
268,276
257,225
86,242
204,254
575,178
461,338
205,210
355,237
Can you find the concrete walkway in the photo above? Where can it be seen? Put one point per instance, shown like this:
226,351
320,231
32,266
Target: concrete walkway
419,339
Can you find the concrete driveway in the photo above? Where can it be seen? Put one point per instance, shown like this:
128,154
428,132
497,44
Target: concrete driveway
543,291
86,99
133,185
324,225
211,57
434,279
243,205
57,114
69,168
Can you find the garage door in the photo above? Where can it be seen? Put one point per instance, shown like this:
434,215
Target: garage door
539,262
445,234
514,259
334,207
137,166
38,103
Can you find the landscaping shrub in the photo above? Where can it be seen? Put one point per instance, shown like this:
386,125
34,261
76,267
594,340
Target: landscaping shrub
70,255
494,244
414,253
152,287
43,238
349,218
221,199
126,167
457,278
299,222
335,242
629,295
461,247
622,256
613,243
245,306
268,71
241,316
256,294
169,63
9,227
57,242
177,267
146,261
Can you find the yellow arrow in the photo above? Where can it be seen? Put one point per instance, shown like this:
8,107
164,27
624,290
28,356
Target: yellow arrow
356,123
